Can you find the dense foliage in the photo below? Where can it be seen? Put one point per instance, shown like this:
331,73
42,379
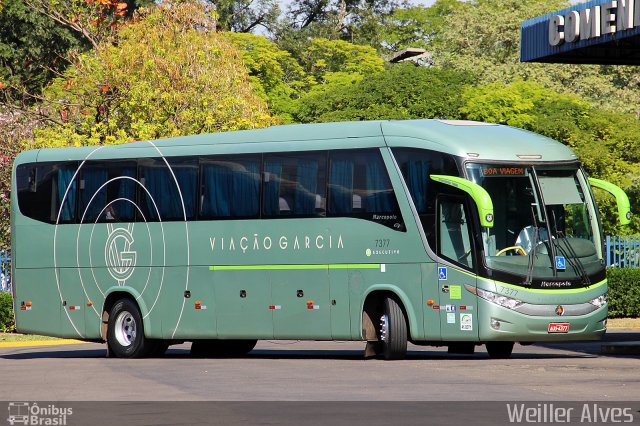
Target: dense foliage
169,74
624,297
7,323
402,92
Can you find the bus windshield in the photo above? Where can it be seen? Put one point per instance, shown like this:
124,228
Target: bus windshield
545,222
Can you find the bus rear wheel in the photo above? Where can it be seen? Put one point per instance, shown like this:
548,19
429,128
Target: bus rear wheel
499,350
393,331
125,332
222,348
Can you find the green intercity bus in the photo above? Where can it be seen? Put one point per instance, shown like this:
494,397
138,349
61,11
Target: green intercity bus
445,233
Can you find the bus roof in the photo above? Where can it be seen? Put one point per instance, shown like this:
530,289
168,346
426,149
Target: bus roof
471,139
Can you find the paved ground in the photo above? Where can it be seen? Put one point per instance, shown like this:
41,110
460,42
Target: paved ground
324,371
323,383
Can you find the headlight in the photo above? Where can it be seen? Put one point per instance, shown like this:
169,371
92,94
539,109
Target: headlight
505,302
600,301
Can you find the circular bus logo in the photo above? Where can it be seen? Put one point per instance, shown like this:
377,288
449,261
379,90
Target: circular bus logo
120,259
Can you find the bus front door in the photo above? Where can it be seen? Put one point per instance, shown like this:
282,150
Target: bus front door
458,306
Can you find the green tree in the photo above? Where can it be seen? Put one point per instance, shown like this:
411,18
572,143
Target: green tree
355,21
323,57
483,37
274,74
414,26
33,49
16,128
404,91
246,15
170,74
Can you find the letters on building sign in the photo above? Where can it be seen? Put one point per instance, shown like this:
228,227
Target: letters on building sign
589,23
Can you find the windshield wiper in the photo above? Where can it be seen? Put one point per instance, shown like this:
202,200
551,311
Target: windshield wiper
573,259
536,238
541,203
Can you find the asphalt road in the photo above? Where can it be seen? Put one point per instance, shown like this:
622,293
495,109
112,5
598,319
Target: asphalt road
323,371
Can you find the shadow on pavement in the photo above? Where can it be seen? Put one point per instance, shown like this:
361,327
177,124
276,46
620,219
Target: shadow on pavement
578,349
595,347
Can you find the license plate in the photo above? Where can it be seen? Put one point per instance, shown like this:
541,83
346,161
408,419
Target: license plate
558,327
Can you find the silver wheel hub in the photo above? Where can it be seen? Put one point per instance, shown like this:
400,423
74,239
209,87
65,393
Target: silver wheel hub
125,329
384,327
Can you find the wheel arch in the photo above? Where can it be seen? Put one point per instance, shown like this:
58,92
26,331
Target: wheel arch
112,296
373,299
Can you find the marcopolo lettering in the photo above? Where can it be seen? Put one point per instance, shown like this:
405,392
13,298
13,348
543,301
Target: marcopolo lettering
590,23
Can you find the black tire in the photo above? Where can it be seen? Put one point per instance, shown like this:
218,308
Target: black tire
499,350
393,331
125,331
222,348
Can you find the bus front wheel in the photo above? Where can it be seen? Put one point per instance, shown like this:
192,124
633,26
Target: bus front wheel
125,332
393,331
499,350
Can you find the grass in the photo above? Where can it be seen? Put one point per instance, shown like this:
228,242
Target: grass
623,323
16,337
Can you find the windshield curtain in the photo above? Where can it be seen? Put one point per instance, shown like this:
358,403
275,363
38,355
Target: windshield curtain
545,224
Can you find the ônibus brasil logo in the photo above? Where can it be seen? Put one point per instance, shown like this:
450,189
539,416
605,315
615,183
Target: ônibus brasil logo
27,413
120,259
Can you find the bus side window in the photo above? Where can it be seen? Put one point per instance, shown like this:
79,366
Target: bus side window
416,166
294,184
122,191
107,191
93,192
230,187
359,186
42,187
166,200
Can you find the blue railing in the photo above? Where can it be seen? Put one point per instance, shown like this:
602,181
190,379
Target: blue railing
623,251
5,270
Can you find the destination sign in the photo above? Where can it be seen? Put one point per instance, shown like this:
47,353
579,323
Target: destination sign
503,171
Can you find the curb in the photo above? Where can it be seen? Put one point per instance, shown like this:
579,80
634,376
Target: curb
623,328
41,343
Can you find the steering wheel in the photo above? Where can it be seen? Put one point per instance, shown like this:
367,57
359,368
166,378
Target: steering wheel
519,249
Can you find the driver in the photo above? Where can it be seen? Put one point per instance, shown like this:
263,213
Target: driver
527,238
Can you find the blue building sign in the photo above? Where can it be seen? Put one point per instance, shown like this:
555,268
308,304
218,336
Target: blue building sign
596,32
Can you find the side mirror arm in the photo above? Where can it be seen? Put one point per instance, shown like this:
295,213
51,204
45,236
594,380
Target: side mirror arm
479,195
622,200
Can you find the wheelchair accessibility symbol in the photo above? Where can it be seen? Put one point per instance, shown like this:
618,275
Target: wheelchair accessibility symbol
442,273
561,263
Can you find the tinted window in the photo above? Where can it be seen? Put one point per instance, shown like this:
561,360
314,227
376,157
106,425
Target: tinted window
294,184
42,189
230,187
163,199
416,166
107,191
359,186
